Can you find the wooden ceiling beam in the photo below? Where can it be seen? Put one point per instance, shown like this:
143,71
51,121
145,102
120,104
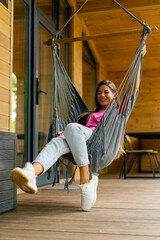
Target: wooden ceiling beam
89,11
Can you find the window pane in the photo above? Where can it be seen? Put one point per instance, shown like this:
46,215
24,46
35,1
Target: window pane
19,77
63,19
46,6
89,77
88,85
45,88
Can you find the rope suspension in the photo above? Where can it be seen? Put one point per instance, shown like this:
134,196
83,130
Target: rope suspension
142,23
49,42
55,40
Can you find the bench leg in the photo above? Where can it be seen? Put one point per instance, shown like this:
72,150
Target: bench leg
149,155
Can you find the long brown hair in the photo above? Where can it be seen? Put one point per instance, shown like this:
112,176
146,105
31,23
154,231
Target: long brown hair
83,117
111,86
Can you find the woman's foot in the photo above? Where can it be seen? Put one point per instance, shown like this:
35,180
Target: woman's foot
89,193
25,178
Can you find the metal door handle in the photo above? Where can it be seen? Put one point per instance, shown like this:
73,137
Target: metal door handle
42,92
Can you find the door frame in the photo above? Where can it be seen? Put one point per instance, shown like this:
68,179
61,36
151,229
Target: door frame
40,18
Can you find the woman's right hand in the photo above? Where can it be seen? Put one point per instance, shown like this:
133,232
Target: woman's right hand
144,51
59,134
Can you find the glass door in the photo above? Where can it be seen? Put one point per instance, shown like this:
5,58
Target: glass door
20,78
44,87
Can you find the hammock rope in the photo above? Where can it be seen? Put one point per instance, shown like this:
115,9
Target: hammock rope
49,42
141,22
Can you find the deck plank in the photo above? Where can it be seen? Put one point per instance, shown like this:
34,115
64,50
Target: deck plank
126,209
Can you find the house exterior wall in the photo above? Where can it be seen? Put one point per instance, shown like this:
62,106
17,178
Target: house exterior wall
78,27
5,65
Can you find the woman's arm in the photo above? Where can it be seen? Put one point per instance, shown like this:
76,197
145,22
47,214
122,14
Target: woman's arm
144,51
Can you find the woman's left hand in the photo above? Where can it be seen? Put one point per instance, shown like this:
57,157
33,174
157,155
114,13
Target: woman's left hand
144,51
59,134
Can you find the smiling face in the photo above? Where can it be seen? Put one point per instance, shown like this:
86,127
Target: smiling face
104,96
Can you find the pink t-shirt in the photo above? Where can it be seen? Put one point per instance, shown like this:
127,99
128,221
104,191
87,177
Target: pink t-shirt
94,118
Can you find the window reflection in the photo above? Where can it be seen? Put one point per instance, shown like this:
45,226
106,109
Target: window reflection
46,7
89,77
19,78
45,95
64,15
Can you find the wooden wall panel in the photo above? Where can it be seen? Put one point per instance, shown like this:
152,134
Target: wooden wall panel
145,116
5,55
5,28
76,56
88,88
4,121
101,69
101,72
4,108
4,96
5,66
4,41
4,81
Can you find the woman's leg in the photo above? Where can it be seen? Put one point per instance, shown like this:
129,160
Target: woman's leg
50,154
74,140
38,168
76,137
25,177
88,188
84,174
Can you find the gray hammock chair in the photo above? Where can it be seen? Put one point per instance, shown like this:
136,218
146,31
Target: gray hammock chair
104,143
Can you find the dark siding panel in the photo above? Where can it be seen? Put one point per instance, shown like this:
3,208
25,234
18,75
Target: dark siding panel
7,206
7,195
8,153
4,175
5,185
6,164
6,144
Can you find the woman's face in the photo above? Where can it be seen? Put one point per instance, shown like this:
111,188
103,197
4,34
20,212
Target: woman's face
104,96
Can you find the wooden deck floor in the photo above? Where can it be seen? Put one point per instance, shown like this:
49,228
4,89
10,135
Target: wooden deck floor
125,209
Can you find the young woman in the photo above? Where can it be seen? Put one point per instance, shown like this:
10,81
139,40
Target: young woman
73,139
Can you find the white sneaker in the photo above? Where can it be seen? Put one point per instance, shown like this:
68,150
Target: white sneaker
89,193
25,178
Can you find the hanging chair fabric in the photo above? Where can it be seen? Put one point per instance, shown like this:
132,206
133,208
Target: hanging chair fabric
105,141
67,103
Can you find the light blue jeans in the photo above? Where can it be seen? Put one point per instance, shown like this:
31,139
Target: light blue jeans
73,140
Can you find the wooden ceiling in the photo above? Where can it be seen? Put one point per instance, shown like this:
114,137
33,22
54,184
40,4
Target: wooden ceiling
117,52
